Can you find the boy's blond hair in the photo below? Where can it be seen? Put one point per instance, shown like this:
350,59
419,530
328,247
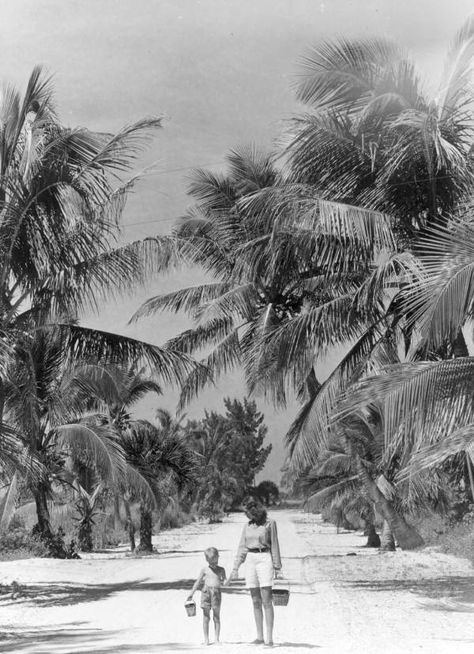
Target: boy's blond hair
210,553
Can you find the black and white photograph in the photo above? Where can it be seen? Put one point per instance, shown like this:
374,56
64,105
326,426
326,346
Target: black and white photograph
236,326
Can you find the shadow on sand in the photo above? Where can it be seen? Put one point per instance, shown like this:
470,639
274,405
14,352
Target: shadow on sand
44,641
442,593
47,595
72,637
276,645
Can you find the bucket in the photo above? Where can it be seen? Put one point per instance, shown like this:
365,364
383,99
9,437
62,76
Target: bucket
190,607
280,596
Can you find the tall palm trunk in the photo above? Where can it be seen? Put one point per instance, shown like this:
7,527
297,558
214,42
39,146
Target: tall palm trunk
43,526
387,540
146,529
407,536
84,536
130,526
117,518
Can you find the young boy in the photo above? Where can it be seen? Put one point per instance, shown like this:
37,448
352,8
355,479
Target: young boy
212,577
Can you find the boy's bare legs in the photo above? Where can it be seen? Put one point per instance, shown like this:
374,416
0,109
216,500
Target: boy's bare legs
217,624
206,618
267,602
257,612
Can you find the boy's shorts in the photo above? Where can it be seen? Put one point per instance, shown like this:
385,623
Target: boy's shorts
211,598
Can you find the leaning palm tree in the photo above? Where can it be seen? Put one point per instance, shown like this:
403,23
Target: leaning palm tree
333,487
370,138
428,403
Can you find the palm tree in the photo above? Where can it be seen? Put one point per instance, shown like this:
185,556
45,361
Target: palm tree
260,239
165,460
87,506
373,137
111,391
61,199
372,140
158,455
333,487
44,408
62,194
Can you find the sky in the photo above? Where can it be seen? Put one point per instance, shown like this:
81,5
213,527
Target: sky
222,74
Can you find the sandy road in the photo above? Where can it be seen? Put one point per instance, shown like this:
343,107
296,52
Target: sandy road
110,603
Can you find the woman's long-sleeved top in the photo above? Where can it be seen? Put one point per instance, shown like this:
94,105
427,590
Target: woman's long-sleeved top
261,538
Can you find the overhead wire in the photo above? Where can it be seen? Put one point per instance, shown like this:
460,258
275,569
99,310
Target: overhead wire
219,163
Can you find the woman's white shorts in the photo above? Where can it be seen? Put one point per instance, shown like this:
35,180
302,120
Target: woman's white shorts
258,570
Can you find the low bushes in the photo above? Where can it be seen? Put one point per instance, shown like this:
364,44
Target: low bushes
173,517
19,543
450,536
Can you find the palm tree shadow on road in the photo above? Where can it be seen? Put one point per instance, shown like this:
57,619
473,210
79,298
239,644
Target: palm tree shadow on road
45,641
438,594
48,595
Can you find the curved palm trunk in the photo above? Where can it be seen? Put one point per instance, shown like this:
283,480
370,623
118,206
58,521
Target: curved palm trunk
346,524
407,536
387,540
146,529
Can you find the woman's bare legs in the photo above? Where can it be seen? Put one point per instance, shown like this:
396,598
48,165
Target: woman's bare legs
266,594
257,612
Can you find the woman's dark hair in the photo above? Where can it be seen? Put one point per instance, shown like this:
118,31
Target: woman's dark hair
255,510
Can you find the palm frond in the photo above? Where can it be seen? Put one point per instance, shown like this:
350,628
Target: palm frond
340,75
310,432
440,300
8,502
84,343
434,455
97,441
186,299
417,399
223,358
199,337
456,82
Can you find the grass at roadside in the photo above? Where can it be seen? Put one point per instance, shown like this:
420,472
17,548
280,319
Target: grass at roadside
17,542
451,538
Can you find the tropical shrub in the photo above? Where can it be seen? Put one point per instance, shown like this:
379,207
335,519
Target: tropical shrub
20,542
231,452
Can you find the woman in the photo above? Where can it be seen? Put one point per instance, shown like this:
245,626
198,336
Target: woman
260,548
